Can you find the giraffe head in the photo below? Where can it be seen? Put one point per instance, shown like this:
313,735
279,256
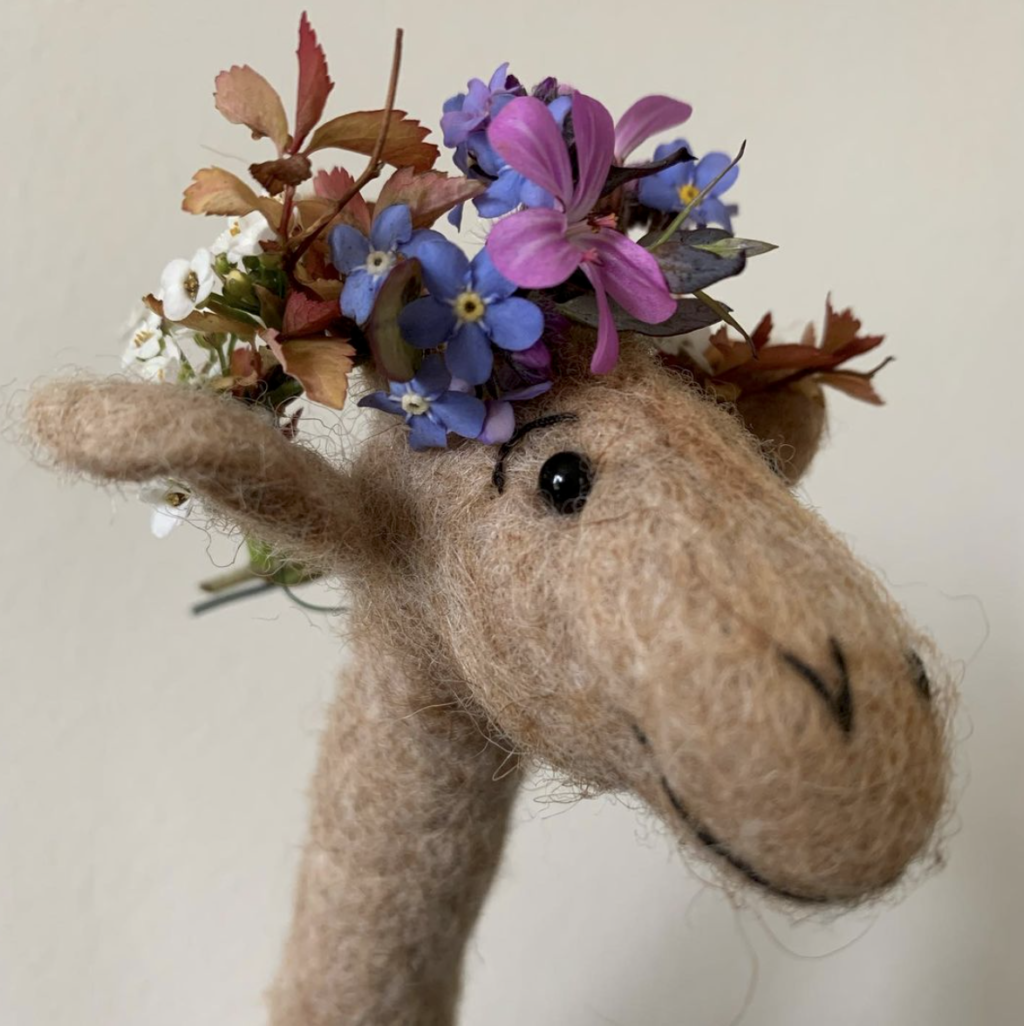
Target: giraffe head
629,593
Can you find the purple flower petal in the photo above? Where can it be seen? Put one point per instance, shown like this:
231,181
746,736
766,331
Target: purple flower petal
526,136
647,117
595,145
514,323
457,124
445,267
426,323
461,413
358,295
426,434
667,149
498,79
709,167
634,278
530,392
382,401
661,191
503,195
488,280
532,195
420,238
559,107
432,379
349,248
499,424
606,355
469,355
391,227
713,211
531,249
534,363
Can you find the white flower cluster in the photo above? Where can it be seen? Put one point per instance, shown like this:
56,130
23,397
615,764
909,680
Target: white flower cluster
160,351
155,353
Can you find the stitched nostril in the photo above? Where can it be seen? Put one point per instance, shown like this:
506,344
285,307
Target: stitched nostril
834,688
921,679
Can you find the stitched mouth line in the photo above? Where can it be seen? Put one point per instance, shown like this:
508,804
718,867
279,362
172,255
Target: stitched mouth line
719,847
722,850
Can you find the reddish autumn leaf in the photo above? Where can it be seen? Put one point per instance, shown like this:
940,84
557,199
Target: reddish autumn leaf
428,194
335,185
306,316
358,132
276,175
245,97
858,386
320,365
762,333
315,83
216,191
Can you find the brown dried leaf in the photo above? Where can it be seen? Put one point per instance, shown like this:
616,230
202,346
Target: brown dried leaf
245,97
321,365
325,288
216,191
358,133
859,386
276,175
428,194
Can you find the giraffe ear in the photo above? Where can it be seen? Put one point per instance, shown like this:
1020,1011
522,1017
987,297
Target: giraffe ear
790,421
238,462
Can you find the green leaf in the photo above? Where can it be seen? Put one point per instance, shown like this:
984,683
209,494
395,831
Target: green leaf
726,315
734,247
394,357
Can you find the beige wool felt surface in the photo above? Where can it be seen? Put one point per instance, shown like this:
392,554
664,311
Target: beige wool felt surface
154,767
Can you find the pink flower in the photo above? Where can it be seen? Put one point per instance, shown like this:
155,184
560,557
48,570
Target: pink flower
541,248
648,116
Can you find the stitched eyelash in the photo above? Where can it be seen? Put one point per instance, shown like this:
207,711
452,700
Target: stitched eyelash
498,477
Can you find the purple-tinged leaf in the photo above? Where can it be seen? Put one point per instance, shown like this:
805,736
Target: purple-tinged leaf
690,315
393,356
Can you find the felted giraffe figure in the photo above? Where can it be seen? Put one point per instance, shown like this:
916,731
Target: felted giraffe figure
629,594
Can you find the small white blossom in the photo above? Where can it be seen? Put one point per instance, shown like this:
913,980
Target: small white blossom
150,354
171,504
143,338
186,283
242,237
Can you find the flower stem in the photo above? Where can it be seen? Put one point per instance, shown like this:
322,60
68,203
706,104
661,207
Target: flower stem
373,168
683,214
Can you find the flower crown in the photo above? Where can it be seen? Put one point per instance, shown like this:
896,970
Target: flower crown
310,279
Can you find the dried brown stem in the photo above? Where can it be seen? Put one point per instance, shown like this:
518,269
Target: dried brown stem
373,168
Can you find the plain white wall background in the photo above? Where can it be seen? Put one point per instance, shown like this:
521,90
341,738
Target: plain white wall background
152,767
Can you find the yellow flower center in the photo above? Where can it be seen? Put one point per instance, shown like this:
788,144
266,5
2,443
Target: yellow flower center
191,285
469,307
688,193
415,404
141,337
175,499
235,229
379,262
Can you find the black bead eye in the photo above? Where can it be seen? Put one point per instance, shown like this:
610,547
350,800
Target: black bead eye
565,481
